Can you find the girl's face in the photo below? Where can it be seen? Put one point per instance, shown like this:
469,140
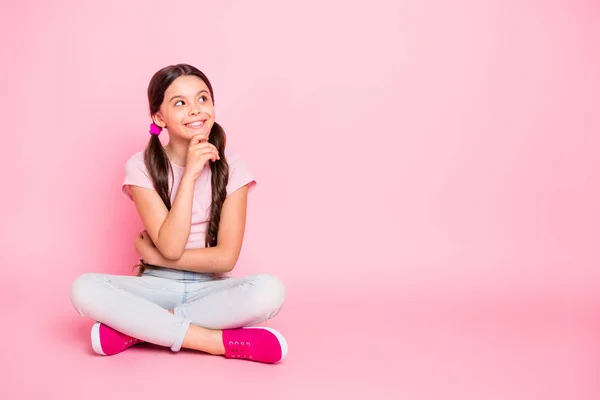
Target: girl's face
187,108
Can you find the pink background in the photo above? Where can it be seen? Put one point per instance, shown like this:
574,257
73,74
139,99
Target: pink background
428,191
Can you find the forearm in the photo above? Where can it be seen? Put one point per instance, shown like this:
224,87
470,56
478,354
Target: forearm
175,230
204,260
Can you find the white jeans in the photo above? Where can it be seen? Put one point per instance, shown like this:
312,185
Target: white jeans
138,306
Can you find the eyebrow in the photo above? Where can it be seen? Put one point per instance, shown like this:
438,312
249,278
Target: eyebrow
176,96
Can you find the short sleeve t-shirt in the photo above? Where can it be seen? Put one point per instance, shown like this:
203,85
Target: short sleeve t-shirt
136,174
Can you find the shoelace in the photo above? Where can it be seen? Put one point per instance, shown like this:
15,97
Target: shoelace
131,340
239,349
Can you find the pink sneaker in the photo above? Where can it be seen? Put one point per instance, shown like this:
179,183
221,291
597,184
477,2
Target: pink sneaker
106,341
255,344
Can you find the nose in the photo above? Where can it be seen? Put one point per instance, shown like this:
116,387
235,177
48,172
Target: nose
195,108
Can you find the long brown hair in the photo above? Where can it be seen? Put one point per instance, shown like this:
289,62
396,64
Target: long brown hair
157,162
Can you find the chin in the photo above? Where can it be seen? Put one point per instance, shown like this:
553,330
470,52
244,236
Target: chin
188,134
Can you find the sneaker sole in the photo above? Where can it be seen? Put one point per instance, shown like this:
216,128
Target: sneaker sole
95,334
280,338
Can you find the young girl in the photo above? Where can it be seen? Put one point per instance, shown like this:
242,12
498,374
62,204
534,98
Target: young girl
191,197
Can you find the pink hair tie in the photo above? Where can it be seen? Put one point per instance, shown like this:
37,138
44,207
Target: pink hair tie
155,129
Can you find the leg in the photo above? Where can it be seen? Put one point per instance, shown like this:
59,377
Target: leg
135,306
138,307
234,302
203,339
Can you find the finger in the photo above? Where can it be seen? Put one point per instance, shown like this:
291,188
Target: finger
202,145
197,138
201,137
207,152
212,156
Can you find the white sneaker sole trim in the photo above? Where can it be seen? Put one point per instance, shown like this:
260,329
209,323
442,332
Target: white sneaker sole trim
280,338
96,339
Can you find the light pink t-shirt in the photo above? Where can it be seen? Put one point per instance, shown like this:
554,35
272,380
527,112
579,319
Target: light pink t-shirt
136,174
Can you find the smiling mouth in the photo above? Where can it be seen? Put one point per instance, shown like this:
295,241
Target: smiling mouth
196,124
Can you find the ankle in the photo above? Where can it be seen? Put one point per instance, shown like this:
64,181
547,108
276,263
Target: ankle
203,339
217,349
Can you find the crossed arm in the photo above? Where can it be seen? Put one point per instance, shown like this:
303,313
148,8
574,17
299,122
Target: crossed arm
163,242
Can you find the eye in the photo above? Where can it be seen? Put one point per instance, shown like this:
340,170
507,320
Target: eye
178,101
203,98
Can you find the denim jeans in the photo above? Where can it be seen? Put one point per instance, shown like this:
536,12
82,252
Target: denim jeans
139,306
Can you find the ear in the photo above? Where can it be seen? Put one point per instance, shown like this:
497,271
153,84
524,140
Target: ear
157,119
